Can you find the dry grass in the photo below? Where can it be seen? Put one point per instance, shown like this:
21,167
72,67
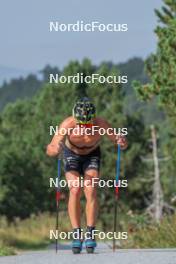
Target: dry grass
154,236
32,233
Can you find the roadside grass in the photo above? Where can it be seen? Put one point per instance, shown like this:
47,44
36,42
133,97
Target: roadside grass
6,251
161,235
34,233
29,234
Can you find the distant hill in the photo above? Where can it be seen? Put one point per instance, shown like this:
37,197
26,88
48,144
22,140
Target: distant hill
23,87
19,89
7,73
26,87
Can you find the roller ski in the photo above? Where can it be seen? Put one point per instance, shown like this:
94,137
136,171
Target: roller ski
90,242
77,242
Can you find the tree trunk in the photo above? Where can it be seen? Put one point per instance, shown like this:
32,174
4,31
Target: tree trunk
157,189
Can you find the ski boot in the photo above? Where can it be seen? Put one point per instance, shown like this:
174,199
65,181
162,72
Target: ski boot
77,241
90,241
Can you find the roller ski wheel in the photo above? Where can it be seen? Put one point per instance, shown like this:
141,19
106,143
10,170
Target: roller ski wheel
76,246
90,246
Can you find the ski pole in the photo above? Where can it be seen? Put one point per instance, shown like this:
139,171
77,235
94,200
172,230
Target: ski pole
58,194
116,192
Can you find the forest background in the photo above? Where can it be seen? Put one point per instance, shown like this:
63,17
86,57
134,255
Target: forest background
30,105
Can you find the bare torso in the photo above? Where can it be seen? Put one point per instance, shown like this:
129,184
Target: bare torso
82,143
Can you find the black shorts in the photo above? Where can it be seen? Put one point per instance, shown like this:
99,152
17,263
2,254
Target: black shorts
81,163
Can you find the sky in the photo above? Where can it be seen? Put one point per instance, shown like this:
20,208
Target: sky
27,44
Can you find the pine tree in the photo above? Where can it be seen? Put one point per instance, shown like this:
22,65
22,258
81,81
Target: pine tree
161,69
161,66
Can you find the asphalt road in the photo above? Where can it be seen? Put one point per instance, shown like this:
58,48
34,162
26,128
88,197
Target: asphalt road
103,255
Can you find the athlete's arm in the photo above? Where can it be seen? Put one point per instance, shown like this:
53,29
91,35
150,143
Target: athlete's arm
55,146
116,139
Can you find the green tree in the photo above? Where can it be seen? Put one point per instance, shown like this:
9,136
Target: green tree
161,69
24,133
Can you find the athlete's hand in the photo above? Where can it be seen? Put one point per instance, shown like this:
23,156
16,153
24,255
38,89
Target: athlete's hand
53,150
122,141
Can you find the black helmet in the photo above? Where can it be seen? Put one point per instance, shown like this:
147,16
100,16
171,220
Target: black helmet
84,110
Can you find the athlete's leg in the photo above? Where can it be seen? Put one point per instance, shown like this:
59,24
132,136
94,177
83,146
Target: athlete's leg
74,198
90,190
